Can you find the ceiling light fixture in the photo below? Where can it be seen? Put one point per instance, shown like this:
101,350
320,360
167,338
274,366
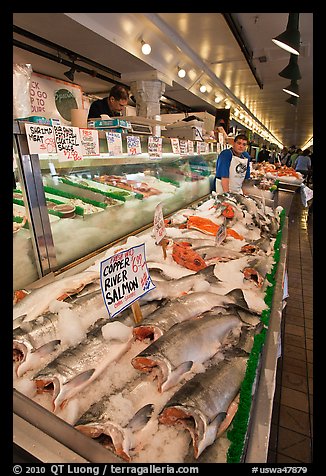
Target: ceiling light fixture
202,88
70,74
181,72
293,89
289,40
146,48
293,100
291,71
218,99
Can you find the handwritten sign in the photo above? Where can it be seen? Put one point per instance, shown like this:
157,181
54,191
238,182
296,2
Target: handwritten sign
221,234
89,142
124,279
175,145
133,145
191,149
67,140
155,146
159,227
183,147
114,141
40,139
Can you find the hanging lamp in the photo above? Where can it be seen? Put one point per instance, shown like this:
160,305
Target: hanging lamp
289,40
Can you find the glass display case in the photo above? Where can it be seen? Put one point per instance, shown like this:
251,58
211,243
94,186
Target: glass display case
66,210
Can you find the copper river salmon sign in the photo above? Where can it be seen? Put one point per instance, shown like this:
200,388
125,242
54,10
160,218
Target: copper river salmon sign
124,278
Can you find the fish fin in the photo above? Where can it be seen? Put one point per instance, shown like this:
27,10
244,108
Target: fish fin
209,435
238,297
175,376
47,348
141,418
71,388
19,320
208,274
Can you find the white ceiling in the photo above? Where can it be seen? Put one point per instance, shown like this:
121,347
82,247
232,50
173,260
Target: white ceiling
201,43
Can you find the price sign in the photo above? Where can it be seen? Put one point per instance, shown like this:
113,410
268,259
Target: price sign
155,147
221,233
175,145
67,140
114,141
89,142
40,139
124,279
159,227
191,149
133,145
183,147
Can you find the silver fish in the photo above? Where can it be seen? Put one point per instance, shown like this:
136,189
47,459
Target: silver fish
214,254
185,344
41,336
184,308
77,367
38,301
97,423
201,404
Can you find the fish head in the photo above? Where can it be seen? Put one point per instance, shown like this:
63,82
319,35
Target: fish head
147,331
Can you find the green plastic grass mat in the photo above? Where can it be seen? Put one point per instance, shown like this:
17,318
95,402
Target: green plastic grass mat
237,433
59,193
168,180
79,210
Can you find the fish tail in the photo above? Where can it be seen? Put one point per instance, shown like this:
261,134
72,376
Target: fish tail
238,298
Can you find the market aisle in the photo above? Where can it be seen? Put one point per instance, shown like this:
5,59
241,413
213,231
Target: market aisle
291,432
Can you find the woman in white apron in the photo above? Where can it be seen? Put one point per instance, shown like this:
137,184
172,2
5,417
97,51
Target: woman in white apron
233,167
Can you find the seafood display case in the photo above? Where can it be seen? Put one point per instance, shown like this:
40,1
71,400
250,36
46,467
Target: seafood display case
215,309
64,211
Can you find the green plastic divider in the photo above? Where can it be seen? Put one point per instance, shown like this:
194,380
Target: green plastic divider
116,195
237,433
173,182
61,193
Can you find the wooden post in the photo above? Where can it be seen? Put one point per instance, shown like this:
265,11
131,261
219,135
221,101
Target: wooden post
138,316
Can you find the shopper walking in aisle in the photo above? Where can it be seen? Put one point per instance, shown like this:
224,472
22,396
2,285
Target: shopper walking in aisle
111,105
303,163
293,158
232,167
263,155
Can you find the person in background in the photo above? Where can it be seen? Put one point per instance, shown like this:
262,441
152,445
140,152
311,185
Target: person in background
263,155
293,158
290,151
111,105
232,167
283,154
303,163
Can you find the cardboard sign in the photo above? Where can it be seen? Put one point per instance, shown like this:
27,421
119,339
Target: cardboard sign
40,139
67,140
159,227
114,141
191,149
133,145
124,279
155,147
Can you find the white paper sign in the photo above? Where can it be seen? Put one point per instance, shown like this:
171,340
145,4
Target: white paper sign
67,140
40,139
89,142
191,149
114,141
175,145
221,234
183,146
159,227
155,147
133,145
124,279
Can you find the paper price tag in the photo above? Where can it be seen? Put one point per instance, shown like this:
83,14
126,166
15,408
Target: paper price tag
221,234
67,140
124,279
89,142
133,145
114,142
159,227
40,139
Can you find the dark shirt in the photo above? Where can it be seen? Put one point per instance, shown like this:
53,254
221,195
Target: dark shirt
101,106
263,155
